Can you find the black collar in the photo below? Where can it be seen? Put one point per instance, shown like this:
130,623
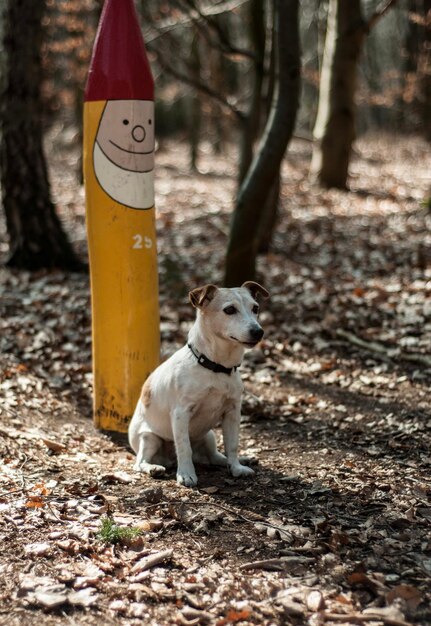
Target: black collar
210,365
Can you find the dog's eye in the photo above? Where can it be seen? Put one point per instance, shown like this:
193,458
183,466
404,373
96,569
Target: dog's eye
230,310
255,309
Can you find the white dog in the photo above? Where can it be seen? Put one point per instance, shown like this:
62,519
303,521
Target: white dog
198,387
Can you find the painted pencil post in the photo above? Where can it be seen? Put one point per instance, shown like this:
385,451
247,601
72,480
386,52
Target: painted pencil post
119,187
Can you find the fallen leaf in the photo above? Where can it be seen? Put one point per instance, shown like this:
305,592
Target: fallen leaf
315,601
233,616
291,607
54,446
150,525
410,594
38,549
35,502
359,578
137,609
49,600
118,605
210,490
118,477
83,597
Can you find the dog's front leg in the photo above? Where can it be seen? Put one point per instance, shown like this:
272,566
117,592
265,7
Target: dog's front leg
186,474
230,426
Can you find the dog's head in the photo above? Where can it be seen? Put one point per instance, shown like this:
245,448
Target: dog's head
231,314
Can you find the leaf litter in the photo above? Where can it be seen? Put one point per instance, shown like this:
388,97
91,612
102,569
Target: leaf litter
334,528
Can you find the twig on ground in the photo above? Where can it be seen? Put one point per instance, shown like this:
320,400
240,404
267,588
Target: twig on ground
4,494
374,346
259,518
152,560
23,483
278,564
360,618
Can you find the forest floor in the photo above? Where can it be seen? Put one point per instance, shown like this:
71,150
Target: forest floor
335,526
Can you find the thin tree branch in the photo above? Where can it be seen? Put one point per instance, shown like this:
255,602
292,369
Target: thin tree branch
200,86
379,13
226,45
225,7
198,15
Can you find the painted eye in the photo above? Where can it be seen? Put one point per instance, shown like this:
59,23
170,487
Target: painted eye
125,122
150,121
255,309
230,310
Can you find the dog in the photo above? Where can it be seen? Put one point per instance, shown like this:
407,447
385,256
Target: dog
198,387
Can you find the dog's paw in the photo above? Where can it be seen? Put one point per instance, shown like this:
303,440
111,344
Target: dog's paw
150,468
238,470
248,460
157,470
187,478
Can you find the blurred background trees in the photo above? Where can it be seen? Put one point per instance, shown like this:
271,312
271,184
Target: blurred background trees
335,127
216,67
36,237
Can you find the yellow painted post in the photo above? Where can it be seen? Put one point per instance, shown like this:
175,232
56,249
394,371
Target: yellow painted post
119,187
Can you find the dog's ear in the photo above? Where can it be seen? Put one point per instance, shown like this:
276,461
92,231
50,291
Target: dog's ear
199,296
255,289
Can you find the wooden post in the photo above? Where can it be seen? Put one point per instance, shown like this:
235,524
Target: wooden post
118,175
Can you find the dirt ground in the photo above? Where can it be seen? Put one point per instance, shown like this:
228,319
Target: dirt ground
335,526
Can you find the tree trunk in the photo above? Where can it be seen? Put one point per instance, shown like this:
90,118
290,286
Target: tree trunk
251,123
37,239
334,130
245,228
270,216
270,211
424,69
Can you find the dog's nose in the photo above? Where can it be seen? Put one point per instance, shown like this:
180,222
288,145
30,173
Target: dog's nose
256,333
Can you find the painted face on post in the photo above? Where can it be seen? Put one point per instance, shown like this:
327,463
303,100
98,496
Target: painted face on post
123,153
126,134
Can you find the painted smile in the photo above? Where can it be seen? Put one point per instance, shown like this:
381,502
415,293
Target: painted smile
129,151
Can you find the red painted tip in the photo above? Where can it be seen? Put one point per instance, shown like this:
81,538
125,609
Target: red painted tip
119,67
